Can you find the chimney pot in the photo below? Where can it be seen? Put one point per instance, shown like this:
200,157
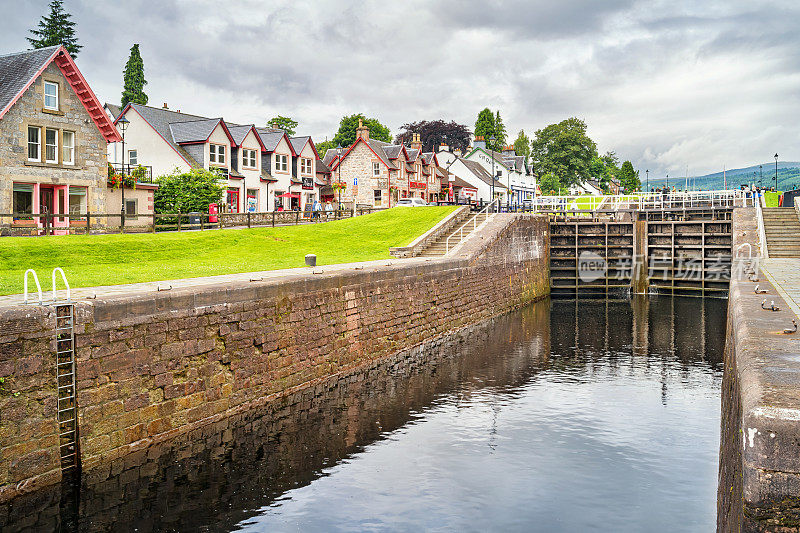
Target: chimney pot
165,106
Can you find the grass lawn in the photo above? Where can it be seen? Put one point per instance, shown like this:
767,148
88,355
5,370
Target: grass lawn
771,198
92,260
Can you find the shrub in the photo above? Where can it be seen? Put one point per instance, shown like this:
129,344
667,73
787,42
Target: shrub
185,192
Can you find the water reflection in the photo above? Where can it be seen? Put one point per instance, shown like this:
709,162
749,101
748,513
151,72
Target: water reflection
564,416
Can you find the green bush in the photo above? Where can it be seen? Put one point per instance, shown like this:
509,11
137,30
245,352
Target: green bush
185,192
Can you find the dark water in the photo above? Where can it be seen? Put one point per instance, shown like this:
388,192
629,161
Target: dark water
564,416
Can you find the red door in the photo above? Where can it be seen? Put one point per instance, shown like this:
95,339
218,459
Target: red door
233,200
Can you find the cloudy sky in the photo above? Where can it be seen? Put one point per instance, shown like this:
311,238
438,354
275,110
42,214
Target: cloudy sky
667,84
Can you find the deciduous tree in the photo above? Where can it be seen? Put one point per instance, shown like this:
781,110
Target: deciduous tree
349,124
435,132
285,123
56,28
133,79
185,192
564,149
550,184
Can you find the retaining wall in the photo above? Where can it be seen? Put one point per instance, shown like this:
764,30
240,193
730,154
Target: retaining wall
157,365
759,470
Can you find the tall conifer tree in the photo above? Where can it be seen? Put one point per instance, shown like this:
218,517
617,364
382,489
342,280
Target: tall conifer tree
57,28
133,79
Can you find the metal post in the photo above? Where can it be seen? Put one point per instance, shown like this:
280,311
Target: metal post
88,223
248,219
776,172
122,211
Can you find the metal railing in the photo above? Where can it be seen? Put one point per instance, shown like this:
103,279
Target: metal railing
646,200
143,173
484,213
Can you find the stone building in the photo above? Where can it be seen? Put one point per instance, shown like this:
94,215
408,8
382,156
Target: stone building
377,173
54,140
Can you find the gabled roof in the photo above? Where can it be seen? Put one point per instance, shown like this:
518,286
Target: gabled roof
393,151
271,137
20,70
427,157
322,168
193,131
481,173
377,147
412,154
330,156
298,143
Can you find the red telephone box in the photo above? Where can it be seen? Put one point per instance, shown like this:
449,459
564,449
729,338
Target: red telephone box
213,209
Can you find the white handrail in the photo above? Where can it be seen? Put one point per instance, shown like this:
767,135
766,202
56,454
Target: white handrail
63,277
473,221
38,286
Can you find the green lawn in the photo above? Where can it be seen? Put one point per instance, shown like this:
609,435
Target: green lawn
771,198
92,260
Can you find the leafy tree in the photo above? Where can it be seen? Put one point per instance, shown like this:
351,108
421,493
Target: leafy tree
185,192
323,147
133,79
628,178
565,150
285,123
436,132
349,124
522,146
603,169
499,133
56,28
550,184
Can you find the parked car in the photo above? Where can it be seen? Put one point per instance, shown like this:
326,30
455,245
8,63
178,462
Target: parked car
410,202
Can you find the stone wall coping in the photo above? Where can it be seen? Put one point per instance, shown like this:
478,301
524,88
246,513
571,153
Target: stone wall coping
426,239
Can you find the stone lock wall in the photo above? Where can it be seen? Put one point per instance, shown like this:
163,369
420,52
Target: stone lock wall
155,366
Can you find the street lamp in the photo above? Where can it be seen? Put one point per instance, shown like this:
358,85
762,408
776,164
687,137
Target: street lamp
760,175
647,173
123,124
339,168
492,139
776,172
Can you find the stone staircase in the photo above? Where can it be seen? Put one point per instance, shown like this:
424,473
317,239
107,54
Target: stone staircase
438,248
782,228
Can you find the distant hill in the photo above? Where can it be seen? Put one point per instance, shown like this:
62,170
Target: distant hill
788,177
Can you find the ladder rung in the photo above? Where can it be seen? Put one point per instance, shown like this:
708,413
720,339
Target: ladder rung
66,386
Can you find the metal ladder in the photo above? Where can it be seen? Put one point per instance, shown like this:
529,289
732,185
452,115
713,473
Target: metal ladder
67,405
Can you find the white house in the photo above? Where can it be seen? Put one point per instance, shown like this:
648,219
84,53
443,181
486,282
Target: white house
509,168
474,181
260,166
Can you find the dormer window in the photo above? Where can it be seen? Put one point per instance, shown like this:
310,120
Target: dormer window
281,163
217,154
51,96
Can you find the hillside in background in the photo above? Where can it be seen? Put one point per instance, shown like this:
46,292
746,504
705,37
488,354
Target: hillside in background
788,177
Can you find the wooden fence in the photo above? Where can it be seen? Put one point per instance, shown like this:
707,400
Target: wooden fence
20,224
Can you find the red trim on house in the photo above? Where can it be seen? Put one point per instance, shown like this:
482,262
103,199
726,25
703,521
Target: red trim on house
360,139
81,89
234,177
227,132
128,107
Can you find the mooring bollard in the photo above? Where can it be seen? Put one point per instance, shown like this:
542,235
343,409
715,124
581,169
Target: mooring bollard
311,260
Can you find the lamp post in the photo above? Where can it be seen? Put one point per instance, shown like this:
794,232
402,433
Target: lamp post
760,175
776,172
123,124
492,139
339,168
647,174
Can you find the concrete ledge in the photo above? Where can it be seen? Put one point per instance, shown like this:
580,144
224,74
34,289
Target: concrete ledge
418,245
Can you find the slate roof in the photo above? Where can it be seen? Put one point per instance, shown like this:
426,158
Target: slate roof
412,154
481,173
427,157
379,147
393,151
238,132
193,130
113,109
330,155
17,69
298,143
322,168
270,137
161,119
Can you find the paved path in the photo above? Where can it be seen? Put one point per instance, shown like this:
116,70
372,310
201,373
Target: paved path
111,291
784,274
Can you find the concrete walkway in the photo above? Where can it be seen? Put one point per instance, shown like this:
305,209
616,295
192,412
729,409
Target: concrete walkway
784,274
112,291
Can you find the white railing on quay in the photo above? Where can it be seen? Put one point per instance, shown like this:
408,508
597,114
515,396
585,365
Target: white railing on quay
647,200
490,208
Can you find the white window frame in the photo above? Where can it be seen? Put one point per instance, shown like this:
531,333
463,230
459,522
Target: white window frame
81,193
38,143
216,154
133,157
68,149
46,96
249,156
281,163
55,146
376,169
305,165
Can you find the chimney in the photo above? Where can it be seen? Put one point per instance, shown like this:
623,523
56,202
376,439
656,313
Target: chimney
363,131
479,142
444,148
416,142
274,126
165,106
509,150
